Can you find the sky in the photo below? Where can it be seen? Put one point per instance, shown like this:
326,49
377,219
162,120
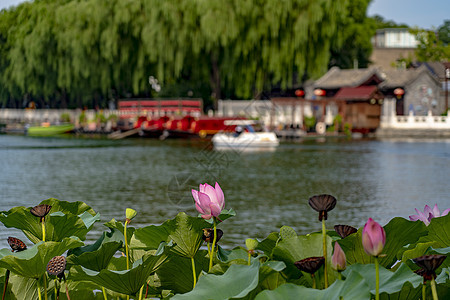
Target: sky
424,14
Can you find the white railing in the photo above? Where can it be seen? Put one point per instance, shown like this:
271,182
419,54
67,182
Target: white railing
415,122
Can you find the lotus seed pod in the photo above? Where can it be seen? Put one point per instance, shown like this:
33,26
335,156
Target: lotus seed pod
16,244
40,210
56,266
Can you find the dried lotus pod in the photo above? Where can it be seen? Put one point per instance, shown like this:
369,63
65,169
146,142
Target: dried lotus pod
16,244
40,210
56,266
429,265
344,230
208,235
310,264
323,204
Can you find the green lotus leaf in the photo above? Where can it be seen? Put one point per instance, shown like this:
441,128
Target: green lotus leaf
126,282
119,227
184,231
176,273
390,282
237,282
59,224
32,262
78,290
229,255
75,208
400,232
20,288
354,287
297,248
98,255
268,243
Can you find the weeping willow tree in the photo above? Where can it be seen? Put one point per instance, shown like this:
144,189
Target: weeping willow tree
86,52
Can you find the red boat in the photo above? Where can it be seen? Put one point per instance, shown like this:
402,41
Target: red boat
170,118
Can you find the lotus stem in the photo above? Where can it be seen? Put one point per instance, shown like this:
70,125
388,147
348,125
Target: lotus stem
43,229
126,245
209,250
193,271
56,290
213,245
249,258
424,291
6,284
433,289
104,293
324,235
45,287
38,286
339,276
377,279
314,280
140,292
67,289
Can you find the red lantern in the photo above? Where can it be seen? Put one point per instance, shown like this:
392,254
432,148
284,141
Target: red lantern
299,93
399,92
319,92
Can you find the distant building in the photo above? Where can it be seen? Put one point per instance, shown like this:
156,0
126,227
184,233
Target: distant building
391,46
394,38
363,95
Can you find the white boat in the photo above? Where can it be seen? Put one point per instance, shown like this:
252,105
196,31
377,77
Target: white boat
245,140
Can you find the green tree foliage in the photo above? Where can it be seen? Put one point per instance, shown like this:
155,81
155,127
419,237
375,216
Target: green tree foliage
444,32
430,48
381,23
73,53
356,31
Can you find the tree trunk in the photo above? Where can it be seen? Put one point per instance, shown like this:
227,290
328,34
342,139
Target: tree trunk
215,80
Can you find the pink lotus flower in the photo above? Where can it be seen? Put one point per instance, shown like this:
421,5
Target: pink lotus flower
373,238
209,201
338,260
428,214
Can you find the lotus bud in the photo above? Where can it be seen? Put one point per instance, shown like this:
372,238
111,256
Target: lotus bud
373,238
338,260
251,245
16,244
130,214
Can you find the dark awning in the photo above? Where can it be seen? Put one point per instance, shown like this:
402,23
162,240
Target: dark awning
356,93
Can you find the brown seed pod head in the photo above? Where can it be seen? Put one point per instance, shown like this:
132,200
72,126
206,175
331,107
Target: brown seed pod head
430,263
344,230
56,266
16,244
40,210
208,235
323,204
310,264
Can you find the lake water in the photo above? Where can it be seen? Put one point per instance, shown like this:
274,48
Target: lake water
370,178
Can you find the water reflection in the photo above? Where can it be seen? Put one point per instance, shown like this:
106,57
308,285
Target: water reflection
379,179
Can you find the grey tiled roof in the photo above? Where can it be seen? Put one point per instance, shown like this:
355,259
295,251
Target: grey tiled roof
337,78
